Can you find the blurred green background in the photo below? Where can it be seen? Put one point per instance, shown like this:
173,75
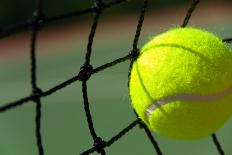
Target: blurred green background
61,50
16,11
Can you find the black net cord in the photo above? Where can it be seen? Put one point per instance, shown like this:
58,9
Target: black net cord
113,139
62,85
75,78
135,53
217,144
85,75
139,26
87,110
190,12
9,30
228,40
38,127
33,57
96,139
35,90
91,36
21,101
151,138
85,72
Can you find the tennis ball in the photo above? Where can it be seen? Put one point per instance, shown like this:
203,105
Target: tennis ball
181,83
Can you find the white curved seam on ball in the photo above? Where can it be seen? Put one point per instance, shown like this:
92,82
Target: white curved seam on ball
191,97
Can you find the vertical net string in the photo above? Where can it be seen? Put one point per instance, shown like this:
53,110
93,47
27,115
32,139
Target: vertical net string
135,50
190,12
38,127
35,90
33,56
84,75
139,26
135,53
87,110
90,40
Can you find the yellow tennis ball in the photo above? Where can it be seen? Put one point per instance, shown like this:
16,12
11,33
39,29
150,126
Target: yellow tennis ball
181,83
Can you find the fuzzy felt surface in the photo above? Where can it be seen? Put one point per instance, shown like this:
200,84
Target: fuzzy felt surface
183,61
